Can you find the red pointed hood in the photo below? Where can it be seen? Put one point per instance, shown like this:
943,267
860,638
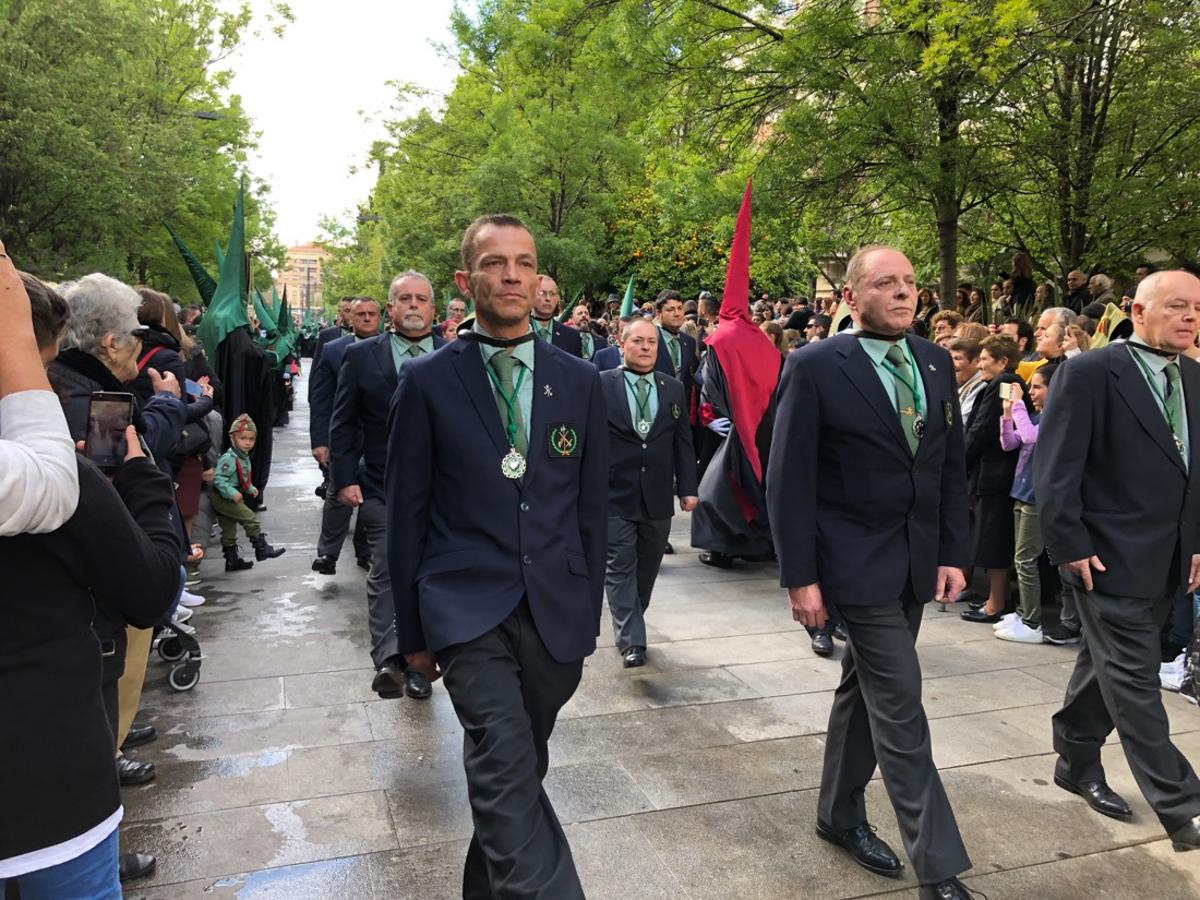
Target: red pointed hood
748,359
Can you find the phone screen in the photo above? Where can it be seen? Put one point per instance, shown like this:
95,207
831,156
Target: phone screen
109,414
193,388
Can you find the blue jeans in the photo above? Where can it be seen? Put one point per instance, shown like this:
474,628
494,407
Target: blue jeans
89,876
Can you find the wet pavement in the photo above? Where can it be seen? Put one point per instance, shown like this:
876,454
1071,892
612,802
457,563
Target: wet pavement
283,776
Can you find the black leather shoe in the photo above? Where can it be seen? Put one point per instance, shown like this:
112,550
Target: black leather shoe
822,644
138,735
1099,796
135,865
1187,837
869,851
131,772
668,550
389,678
950,889
713,558
839,632
364,562
632,657
417,685
978,615
326,565
977,602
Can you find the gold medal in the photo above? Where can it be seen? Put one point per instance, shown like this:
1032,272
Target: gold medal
513,464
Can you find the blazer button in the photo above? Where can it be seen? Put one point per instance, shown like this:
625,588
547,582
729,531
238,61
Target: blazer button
643,468
643,446
524,506
525,559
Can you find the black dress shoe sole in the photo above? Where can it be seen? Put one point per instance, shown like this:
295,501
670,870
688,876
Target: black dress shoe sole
980,617
719,562
825,652
388,683
1079,792
828,836
128,780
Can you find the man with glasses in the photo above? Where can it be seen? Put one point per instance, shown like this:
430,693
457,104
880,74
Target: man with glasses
546,327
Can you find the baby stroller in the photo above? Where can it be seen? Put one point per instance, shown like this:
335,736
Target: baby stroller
176,644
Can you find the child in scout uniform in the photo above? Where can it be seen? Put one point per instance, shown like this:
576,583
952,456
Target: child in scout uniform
231,483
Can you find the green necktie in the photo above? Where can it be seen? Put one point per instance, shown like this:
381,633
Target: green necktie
586,341
904,395
673,349
544,332
642,388
415,350
503,364
1175,405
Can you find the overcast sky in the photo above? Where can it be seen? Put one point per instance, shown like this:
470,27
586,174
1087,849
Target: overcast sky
307,93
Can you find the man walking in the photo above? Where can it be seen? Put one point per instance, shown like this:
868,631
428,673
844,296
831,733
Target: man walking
650,443
866,488
546,327
335,516
358,453
498,574
1128,545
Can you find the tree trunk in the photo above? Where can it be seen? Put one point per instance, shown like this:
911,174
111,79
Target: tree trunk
947,227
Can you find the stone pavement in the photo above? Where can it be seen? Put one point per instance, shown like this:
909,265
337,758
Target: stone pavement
283,776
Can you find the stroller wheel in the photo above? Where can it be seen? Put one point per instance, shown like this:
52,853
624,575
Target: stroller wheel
171,649
184,677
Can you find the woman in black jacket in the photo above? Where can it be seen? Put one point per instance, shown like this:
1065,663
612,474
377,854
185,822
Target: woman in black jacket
990,471
59,799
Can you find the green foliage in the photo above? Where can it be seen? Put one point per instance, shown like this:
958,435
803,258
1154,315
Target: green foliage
100,142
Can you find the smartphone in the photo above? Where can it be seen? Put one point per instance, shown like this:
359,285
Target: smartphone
1006,391
109,414
193,388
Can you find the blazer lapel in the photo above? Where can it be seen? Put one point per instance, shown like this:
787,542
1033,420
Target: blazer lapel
934,410
618,406
548,389
1190,376
469,365
663,418
861,372
387,365
1132,387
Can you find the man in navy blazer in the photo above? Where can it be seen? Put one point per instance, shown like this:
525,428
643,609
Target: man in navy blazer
497,487
866,492
676,350
650,443
1128,545
546,327
590,342
358,455
335,517
339,329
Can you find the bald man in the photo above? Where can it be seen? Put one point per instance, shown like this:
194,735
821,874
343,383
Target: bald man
1077,291
1127,545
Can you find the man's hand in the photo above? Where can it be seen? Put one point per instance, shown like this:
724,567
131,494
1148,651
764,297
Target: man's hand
350,495
950,583
687,504
1194,577
422,661
160,383
808,607
321,455
237,496
1083,568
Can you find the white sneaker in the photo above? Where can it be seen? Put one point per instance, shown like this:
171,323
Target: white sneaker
1005,621
182,614
1170,674
187,598
1020,633
181,626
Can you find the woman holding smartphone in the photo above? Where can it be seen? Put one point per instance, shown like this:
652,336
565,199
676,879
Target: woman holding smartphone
990,471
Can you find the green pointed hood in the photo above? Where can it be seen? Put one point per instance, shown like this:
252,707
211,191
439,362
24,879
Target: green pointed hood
204,282
267,319
218,253
565,315
227,309
627,303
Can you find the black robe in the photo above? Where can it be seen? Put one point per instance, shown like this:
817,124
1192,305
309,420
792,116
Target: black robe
246,375
718,522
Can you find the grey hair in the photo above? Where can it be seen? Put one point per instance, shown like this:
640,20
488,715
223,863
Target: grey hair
1063,318
1104,282
410,273
626,325
99,305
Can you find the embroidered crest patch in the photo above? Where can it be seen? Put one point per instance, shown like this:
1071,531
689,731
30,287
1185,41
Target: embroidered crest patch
563,441
675,411
948,408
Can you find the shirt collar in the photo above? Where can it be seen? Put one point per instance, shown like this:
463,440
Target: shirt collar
1153,361
523,353
426,343
877,349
